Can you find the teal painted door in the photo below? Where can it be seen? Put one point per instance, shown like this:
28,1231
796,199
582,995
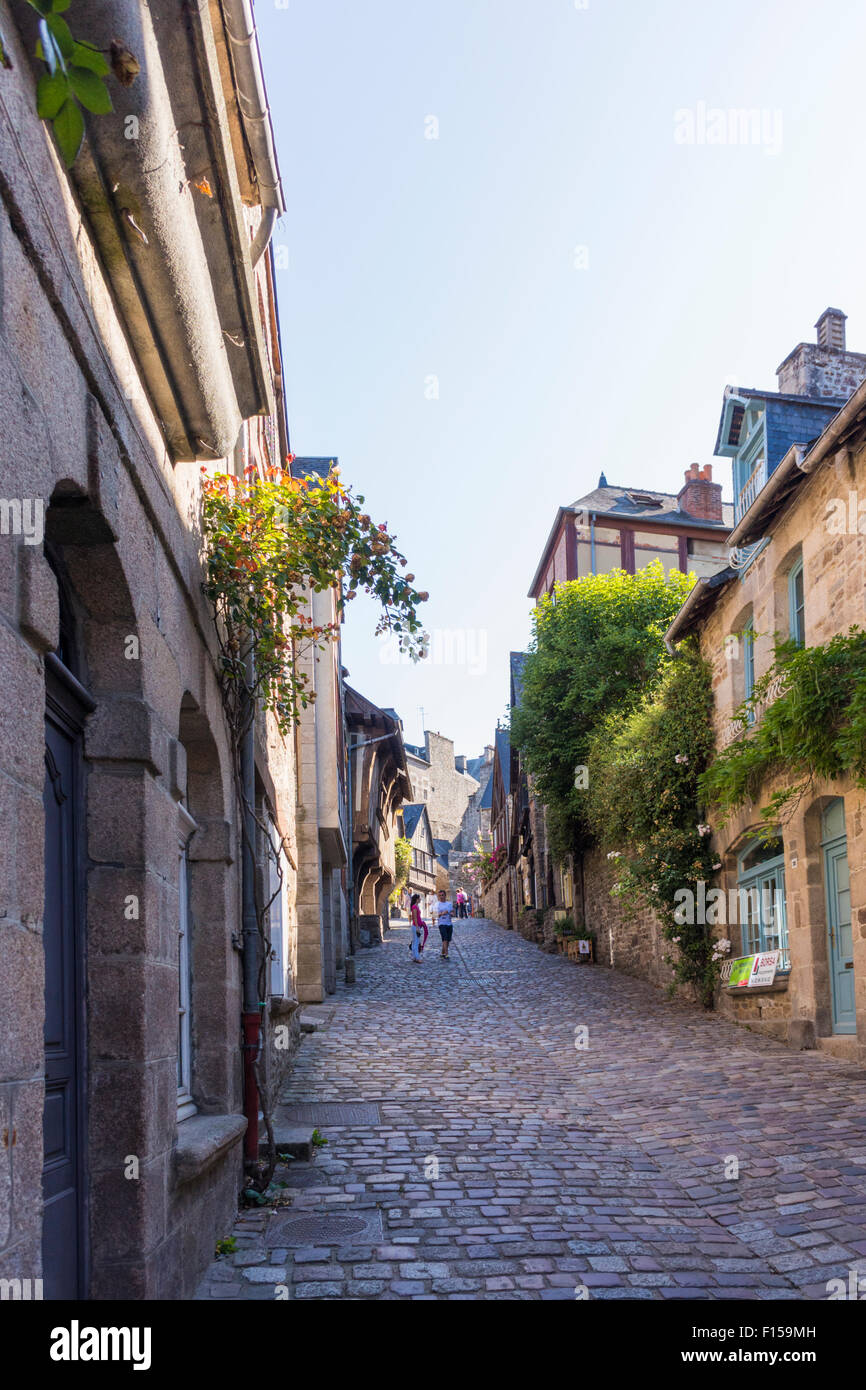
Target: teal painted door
841,937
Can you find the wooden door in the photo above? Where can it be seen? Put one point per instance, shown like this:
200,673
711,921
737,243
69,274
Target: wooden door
64,1173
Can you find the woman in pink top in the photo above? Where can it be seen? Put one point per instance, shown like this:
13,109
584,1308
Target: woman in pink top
418,925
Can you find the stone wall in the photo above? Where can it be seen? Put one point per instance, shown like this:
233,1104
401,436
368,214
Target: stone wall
450,790
819,526
80,436
633,945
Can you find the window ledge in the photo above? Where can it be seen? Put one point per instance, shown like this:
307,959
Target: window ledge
202,1140
777,987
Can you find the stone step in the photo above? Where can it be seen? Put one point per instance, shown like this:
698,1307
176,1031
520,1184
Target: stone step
290,1138
842,1045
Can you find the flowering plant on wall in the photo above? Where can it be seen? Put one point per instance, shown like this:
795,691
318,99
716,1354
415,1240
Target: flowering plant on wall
271,538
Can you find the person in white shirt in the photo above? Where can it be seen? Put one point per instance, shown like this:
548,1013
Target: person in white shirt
444,918
432,907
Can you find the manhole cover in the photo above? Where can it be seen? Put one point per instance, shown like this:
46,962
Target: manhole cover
330,1113
326,1229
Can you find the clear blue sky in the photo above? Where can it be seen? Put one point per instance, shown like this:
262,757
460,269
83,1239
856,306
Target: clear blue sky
454,257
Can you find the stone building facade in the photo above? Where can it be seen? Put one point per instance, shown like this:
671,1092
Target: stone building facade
804,577
442,782
138,345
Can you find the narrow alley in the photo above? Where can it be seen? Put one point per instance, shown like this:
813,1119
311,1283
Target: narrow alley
489,1153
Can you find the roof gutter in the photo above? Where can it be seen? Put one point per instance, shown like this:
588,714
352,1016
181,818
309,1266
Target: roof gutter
255,113
680,622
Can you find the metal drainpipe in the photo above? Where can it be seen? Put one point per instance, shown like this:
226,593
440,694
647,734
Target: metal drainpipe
252,1017
350,841
592,541
252,102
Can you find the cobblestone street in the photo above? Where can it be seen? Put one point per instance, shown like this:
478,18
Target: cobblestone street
499,1161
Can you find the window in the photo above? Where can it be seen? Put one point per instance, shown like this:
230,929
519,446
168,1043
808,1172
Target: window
185,1104
796,605
749,663
761,899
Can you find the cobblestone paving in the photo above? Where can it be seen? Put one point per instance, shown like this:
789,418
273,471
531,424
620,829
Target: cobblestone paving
601,1168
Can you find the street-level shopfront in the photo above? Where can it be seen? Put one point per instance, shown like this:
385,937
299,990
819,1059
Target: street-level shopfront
789,897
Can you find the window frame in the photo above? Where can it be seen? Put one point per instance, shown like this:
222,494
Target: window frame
748,639
753,937
797,629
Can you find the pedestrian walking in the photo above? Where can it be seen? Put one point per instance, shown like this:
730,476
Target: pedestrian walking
461,903
432,907
444,918
417,927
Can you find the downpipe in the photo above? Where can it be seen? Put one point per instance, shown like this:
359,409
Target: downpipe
252,1015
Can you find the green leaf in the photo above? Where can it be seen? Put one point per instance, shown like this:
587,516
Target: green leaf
58,6
85,56
90,90
68,127
60,29
52,89
42,7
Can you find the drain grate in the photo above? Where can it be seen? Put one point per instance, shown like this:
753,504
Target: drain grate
330,1112
326,1229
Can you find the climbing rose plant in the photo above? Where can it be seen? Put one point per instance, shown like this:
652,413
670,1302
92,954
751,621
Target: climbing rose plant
268,540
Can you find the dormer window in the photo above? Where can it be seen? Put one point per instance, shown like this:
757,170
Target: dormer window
643,499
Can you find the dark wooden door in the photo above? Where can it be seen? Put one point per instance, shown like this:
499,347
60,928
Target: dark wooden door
64,1178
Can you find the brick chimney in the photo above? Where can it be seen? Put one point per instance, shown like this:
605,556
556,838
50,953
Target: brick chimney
700,497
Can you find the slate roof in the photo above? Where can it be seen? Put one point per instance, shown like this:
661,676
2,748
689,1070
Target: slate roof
412,813
616,502
517,660
799,417
442,847
486,801
301,467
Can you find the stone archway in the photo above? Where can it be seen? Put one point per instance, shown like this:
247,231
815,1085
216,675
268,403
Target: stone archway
121,900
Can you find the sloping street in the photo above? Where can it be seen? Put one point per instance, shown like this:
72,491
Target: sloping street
498,1157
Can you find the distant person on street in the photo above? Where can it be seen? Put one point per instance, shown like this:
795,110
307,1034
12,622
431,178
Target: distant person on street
417,928
461,903
444,917
432,907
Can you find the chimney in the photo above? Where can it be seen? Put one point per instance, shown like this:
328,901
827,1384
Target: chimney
825,369
700,497
831,329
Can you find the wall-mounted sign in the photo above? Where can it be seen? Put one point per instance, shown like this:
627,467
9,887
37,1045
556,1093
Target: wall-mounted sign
749,971
764,968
